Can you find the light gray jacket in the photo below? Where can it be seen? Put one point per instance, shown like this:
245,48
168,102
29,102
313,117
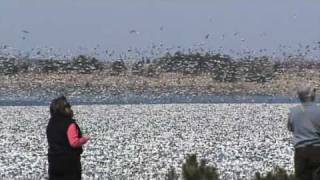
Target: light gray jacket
304,122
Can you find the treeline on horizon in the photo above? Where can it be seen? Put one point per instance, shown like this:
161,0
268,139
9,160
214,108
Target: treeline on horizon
221,68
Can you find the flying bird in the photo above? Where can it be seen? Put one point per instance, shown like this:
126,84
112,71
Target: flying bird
263,34
25,31
134,32
222,37
295,16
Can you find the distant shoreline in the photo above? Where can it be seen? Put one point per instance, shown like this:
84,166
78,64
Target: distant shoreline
102,82
101,87
130,99
177,77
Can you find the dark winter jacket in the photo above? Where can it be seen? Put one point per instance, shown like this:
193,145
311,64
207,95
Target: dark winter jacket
57,137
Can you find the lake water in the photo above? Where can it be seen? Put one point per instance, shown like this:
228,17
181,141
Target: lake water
131,98
143,141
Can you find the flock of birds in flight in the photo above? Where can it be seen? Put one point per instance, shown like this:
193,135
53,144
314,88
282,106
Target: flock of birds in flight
157,50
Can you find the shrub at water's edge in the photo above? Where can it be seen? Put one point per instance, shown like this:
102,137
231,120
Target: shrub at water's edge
276,174
192,170
172,174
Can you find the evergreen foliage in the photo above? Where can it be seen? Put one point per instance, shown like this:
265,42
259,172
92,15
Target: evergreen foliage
192,170
118,67
276,174
172,175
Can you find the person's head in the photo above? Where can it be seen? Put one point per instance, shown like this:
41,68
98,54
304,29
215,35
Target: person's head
306,93
61,107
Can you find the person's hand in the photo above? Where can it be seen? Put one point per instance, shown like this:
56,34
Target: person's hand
84,139
87,137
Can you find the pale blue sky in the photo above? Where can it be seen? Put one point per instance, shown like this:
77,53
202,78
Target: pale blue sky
232,24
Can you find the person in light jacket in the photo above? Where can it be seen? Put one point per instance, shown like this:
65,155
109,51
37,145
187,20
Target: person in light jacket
304,123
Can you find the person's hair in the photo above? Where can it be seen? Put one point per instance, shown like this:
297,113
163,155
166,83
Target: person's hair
306,93
58,105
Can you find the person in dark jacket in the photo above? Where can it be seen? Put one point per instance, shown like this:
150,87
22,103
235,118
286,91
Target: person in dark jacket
65,142
304,123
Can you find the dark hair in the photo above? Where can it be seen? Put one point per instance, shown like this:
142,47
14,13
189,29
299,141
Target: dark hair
57,106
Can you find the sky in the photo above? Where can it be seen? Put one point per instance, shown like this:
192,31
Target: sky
122,25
